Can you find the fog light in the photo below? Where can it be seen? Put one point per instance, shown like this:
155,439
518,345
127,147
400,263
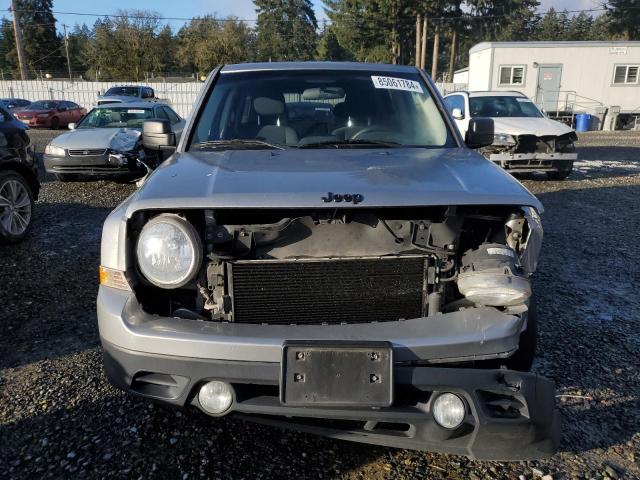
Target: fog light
448,410
215,397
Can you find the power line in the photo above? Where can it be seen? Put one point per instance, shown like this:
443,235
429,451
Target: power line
254,20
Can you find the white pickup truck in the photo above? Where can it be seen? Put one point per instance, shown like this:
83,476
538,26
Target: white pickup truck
525,140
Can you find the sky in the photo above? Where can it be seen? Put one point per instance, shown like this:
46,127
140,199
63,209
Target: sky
191,8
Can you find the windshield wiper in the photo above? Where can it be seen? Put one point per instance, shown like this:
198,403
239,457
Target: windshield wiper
350,141
239,143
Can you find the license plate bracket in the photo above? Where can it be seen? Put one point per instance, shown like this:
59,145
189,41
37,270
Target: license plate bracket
336,374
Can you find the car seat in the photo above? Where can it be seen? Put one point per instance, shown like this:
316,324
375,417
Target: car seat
272,112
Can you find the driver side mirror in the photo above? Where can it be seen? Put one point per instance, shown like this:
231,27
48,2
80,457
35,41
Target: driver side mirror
157,135
457,114
480,133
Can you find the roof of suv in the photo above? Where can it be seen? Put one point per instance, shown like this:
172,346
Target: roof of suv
265,66
502,93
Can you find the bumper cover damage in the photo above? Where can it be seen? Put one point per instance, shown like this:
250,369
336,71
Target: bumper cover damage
511,414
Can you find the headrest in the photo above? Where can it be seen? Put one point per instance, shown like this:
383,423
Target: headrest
340,110
268,106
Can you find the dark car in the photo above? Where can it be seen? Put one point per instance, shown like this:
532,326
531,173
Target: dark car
51,114
19,184
14,104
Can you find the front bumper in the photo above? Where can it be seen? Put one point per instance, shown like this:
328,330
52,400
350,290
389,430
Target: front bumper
534,162
530,431
94,165
168,359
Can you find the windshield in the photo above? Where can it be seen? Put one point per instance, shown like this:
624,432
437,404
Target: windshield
43,105
123,91
116,117
319,109
503,106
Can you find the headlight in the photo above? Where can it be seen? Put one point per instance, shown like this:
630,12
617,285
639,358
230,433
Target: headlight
490,276
169,251
495,289
503,139
55,151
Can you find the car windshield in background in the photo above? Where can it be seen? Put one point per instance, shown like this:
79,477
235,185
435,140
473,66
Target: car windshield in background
123,91
116,117
43,105
503,106
319,109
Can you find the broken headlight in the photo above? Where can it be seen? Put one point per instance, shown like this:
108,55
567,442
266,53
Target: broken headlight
503,139
169,251
491,275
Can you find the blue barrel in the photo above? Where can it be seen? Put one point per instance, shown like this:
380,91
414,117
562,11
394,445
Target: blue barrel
583,122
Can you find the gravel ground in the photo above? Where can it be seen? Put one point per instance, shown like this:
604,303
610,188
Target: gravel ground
60,418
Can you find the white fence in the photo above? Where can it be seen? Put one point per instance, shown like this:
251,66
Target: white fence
179,95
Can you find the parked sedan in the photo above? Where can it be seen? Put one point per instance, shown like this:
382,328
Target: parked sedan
107,142
525,140
19,184
14,104
51,114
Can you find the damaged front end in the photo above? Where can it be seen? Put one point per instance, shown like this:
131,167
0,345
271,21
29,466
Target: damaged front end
345,266
553,154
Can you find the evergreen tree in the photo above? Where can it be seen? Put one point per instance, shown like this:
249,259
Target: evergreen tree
329,47
624,17
43,48
553,26
8,64
286,30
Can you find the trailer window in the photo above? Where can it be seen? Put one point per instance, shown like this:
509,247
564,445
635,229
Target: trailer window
625,74
512,75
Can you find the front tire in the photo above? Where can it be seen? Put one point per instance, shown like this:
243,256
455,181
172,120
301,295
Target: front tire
561,174
16,207
55,123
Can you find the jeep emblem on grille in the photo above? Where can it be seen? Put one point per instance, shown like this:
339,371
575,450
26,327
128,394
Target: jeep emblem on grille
354,198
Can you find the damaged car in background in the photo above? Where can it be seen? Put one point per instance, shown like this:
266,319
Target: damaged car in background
525,140
357,272
106,143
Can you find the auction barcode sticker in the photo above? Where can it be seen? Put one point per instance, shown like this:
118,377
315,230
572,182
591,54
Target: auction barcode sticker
394,83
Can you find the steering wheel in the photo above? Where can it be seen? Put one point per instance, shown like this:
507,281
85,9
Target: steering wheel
372,129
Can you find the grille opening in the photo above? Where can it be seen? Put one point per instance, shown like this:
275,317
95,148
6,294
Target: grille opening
328,291
389,426
502,406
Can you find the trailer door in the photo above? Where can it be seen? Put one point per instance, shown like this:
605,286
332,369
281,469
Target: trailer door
548,88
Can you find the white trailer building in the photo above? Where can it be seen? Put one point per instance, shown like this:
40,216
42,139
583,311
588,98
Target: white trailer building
564,78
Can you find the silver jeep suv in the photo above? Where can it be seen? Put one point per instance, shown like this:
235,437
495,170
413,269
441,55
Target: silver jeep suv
323,252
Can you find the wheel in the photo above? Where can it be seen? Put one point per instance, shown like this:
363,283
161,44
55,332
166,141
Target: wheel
523,358
55,123
16,207
560,174
66,177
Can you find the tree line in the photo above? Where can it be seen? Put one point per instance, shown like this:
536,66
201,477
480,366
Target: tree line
138,45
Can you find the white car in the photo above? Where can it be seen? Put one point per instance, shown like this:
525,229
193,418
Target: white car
525,140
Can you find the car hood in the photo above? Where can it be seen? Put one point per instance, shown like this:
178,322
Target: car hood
292,178
539,127
121,139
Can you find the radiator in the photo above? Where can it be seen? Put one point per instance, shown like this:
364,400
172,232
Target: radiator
328,291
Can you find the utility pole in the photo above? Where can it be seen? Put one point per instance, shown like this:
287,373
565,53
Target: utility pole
423,50
18,34
452,57
66,47
418,39
436,48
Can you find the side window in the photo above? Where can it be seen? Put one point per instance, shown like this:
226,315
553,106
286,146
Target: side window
147,92
455,101
161,114
4,116
173,118
512,75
